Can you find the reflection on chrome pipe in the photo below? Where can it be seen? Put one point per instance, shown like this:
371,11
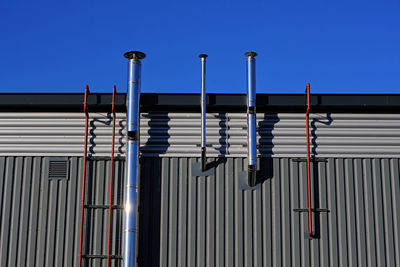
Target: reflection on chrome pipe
203,111
132,157
251,117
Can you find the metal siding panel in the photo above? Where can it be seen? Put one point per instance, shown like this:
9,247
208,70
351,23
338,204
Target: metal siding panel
210,217
201,221
24,219
388,213
324,219
164,213
42,225
280,135
238,221
52,221
267,218
220,215
34,209
229,214
295,203
2,180
351,212
276,214
15,211
305,243
173,213
6,211
394,169
58,133
257,222
286,212
360,213
192,212
248,228
378,203
183,211
369,213
70,212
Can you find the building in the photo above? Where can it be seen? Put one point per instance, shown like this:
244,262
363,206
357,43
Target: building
193,218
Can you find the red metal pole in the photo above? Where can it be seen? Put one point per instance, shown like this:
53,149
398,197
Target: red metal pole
111,176
84,173
308,161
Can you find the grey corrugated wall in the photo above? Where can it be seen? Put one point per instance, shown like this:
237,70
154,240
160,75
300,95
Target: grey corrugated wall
336,135
208,221
40,218
59,134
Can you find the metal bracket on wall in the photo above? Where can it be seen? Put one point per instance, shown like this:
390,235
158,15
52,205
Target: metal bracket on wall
307,234
243,184
197,170
311,159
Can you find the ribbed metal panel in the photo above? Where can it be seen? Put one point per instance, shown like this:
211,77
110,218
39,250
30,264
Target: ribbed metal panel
209,221
59,134
336,135
40,217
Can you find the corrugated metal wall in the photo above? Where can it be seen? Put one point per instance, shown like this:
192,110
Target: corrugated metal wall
208,221
178,134
40,218
336,135
59,134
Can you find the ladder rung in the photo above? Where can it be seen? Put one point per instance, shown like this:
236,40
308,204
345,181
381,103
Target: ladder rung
114,207
96,256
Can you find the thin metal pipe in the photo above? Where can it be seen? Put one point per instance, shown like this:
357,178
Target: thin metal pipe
308,160
84,172
132,155
251,117
111,176
203,111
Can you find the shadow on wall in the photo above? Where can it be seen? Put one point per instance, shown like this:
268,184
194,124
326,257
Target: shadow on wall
325,121
150,189
314,169
107,121
265,147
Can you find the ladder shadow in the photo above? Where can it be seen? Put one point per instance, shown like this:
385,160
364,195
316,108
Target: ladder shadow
315,169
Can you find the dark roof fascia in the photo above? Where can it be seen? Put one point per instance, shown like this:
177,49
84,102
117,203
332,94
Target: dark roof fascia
178,102
274,102
60,102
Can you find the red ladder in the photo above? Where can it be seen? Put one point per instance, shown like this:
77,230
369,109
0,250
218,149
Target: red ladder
110,206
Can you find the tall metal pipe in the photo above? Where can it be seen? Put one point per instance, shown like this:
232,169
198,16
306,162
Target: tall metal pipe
251,117
132,155
203,111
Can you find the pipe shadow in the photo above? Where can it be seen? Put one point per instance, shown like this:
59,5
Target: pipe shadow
265,147
149,184
222,141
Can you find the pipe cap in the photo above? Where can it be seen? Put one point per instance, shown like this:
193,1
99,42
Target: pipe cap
203,56
250,54
135,55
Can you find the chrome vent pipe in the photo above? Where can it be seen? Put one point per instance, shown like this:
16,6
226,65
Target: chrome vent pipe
132,157
251,118
203,111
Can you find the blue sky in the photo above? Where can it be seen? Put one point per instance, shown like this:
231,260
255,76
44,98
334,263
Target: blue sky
339,46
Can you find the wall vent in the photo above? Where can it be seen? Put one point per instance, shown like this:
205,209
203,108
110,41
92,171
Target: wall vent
58,168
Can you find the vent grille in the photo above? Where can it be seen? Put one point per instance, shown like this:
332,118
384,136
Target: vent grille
58,168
